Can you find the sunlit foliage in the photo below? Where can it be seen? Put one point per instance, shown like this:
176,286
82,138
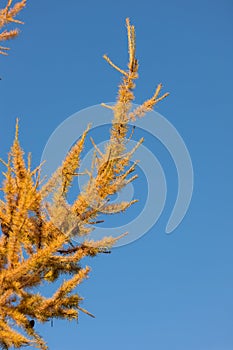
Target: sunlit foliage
38,224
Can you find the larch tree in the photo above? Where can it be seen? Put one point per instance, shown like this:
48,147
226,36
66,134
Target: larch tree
38,224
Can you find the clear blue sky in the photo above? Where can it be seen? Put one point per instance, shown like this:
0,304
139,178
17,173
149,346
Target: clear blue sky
162,291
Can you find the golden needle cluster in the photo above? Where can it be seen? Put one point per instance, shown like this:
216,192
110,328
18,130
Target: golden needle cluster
7,15
38,224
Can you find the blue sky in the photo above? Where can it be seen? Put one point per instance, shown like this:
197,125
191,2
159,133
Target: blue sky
162,291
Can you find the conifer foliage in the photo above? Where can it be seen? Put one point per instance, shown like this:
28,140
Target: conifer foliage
7,16
38,224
